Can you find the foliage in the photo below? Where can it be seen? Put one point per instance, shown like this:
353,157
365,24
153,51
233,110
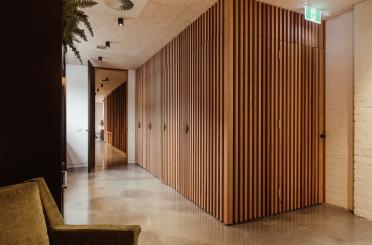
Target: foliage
72,18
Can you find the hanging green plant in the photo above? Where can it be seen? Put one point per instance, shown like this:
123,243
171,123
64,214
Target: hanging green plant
72,18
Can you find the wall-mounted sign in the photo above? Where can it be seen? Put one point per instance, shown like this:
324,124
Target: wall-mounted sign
313,14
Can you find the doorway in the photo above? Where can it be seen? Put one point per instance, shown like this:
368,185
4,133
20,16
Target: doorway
107,117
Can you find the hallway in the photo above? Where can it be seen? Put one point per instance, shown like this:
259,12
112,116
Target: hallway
107,156
130,195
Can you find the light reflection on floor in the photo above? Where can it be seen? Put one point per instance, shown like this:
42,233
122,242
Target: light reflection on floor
130,195
108,156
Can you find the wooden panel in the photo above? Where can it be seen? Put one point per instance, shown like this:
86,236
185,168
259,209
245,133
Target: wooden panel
91,117
139,111
115,113
186,79
242,108
278,155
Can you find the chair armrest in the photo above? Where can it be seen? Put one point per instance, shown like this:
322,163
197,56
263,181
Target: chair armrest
95,234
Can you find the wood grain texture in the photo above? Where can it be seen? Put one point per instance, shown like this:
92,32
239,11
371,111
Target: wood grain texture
278,84
180,94
116,119
230,112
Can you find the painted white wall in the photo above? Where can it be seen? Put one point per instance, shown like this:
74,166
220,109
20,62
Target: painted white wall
77,114
339,110
363,109
131,116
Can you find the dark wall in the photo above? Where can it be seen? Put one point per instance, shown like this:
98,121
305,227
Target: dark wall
30,100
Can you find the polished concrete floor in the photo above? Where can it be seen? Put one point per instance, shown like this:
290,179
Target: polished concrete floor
130,195
108,156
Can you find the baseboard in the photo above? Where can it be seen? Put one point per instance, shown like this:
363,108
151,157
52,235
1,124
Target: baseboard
76,166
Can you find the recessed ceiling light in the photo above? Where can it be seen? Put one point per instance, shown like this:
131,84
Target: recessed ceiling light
120,21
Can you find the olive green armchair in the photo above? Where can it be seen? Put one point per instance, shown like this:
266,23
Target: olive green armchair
29,215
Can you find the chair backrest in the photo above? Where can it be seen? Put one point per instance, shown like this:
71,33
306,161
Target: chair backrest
21,215
52,214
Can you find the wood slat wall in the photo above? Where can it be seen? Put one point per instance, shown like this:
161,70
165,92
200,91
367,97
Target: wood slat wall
180,95
236,109
116,121
278,82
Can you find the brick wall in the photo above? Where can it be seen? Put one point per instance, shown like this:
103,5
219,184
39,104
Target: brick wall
339,111
363,109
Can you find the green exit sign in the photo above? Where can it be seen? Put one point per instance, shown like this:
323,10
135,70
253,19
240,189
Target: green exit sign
313,14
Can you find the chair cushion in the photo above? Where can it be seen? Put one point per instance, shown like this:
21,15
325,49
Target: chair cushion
21,215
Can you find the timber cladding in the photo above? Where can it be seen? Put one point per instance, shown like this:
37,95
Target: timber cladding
116,119
231,111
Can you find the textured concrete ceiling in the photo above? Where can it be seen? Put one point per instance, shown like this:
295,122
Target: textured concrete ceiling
144,33
330,8
104,88
153,23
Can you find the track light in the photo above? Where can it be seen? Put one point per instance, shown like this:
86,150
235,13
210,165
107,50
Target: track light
100,58
120,22
108,44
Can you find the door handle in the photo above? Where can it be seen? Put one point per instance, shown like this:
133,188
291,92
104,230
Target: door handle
149,125
164,126
322,136
139,125
185,128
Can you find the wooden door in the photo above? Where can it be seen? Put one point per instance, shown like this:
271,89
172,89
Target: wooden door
91,116
147,124
157,120
139,111
171,115
320,64
184,169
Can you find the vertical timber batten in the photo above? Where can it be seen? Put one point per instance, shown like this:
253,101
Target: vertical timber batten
242,110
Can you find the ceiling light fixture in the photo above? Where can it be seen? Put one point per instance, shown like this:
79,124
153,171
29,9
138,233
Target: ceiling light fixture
120,22
105,46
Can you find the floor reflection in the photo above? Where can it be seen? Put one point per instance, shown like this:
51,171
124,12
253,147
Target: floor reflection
108,156
130,195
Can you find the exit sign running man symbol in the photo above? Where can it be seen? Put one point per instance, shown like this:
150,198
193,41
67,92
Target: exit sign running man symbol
313,14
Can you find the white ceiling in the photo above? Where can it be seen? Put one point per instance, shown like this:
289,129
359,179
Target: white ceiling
151,24
116,77
144,32
330,8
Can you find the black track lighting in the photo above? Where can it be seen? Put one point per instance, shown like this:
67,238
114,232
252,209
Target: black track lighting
108,44
120,21
100,58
